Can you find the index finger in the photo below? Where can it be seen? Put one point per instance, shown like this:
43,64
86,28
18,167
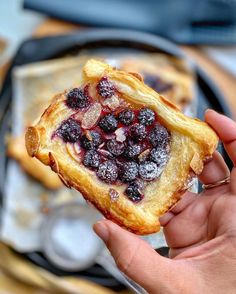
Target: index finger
226,130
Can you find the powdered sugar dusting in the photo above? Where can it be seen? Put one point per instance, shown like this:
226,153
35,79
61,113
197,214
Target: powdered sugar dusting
159,156
122,145
108,171
149,171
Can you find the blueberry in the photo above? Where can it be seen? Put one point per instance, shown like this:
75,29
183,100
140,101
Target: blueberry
132,151
91,140
77,98
70,130
146,116
126,117
91,159
133,191
138,132
159,156
128,171
148,171
162,86
159,136
157,84
108,123
150,80
114,147
108,171
105,88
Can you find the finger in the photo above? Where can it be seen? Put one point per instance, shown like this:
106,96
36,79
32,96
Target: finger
166,218
233,181
179,252
134,256
226,130
215,170
187,199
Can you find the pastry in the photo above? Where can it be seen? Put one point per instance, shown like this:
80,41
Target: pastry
169,76
16,150
127,149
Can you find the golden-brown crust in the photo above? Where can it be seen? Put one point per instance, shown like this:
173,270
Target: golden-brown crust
16,149
191,142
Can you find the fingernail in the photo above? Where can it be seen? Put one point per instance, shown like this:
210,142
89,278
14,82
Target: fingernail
210,110
102,231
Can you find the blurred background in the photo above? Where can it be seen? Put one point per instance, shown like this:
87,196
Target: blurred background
185,50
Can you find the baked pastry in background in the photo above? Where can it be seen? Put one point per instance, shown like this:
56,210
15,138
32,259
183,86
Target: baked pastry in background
167,75
127,149
34,85
16,150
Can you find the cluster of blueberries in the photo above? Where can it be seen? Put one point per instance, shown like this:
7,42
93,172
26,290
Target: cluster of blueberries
138,159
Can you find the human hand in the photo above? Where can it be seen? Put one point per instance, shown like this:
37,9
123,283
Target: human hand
200,231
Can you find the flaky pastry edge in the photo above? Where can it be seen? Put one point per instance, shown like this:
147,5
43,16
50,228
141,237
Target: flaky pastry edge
192,140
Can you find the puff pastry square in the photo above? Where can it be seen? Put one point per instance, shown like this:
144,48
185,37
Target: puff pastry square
43,174
169,76
127,149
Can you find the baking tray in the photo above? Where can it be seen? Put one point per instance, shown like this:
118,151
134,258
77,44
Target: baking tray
97,41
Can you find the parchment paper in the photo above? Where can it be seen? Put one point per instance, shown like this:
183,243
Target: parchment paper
25,200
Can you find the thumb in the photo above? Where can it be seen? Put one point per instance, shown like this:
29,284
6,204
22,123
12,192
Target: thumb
135,257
